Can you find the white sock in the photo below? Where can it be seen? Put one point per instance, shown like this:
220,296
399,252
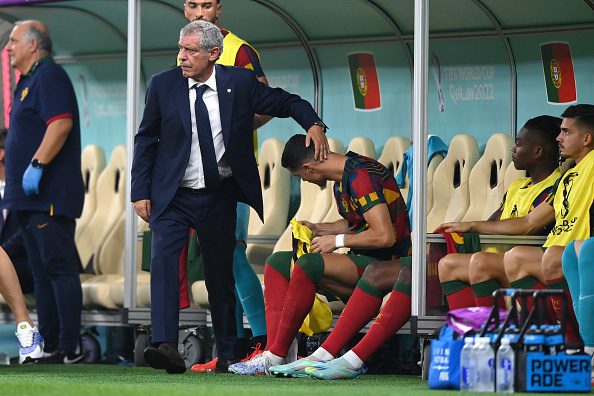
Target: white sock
274,359
322,355
353,359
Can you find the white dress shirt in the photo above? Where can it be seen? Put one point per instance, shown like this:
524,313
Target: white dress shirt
194,176
2,188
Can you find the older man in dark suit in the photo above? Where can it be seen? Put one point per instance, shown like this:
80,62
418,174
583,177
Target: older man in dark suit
193,161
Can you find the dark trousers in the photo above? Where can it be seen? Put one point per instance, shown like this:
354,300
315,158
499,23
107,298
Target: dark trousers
55,265
212,215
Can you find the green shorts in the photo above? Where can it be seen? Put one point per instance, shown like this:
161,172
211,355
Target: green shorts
361,261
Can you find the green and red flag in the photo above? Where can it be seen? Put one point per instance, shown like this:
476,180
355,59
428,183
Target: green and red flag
557,65
366,91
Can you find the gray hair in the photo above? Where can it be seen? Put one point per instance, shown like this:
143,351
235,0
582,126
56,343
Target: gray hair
210,35
43,39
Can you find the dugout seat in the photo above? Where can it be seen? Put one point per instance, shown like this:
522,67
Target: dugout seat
512,174
109,261
363,146
105,222
143,279
450,182
486,184
275,183
392,157
431,168
92,164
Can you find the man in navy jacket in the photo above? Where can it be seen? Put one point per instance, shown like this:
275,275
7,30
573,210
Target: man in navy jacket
198,121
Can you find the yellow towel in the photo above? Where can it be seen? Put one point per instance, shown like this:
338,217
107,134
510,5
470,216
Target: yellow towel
319,318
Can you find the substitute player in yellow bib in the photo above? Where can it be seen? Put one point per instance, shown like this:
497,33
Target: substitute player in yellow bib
470,279
569,205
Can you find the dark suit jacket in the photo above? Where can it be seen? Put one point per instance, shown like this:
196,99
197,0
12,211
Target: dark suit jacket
162,144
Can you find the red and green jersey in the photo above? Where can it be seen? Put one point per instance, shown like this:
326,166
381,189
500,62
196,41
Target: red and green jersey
366,183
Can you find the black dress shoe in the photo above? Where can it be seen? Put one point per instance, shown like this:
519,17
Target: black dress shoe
222,365
165,357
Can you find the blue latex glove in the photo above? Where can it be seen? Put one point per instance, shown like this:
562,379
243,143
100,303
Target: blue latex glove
31,179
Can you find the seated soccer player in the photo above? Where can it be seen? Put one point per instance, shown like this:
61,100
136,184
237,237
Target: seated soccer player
569,204
374,226
578,268
377,281
470,279
30,341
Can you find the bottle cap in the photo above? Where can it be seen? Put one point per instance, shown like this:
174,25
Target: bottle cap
505,341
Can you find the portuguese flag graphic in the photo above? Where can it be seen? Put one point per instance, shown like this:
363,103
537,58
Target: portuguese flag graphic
366,91
558,72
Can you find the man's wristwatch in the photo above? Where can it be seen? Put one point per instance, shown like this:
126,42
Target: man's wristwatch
321,125
36,164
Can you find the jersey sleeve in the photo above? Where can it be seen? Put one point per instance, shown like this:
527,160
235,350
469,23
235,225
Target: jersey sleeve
366,188
248,58
56,99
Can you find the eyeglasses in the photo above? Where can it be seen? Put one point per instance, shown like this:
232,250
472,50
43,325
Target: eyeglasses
189,51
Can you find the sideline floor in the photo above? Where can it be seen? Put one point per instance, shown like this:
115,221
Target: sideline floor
88,380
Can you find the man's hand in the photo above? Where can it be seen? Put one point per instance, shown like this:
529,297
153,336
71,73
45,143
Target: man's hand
454,227
143,209
312,226
316,134
31,179
323,244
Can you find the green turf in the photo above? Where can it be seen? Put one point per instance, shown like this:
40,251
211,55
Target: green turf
88,380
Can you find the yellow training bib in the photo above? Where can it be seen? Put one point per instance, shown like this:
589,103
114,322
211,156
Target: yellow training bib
520,196
572,203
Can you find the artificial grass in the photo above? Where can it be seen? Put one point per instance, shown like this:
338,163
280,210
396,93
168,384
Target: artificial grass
89,380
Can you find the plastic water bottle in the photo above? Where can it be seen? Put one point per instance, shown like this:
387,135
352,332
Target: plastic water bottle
467,366
512,333
534,340
485,365
505,367
554,340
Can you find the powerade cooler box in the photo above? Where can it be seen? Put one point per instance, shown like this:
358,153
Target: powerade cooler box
542,364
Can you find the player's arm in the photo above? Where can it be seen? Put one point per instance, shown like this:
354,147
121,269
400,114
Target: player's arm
319,229
248,58
541,216
379,233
